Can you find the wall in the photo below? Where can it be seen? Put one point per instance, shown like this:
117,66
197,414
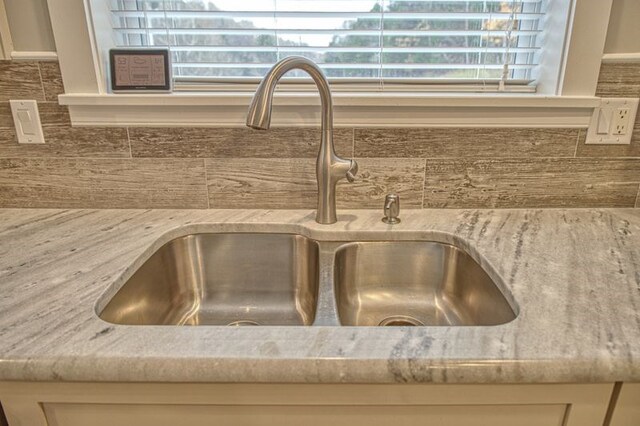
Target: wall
220,168
624,27
30,25
225,168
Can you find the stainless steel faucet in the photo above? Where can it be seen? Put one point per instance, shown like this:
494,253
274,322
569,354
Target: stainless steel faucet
329,167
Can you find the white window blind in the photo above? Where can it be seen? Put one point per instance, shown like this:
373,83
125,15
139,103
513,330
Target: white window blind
378,42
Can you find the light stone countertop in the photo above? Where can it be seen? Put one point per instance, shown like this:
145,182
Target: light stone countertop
574,274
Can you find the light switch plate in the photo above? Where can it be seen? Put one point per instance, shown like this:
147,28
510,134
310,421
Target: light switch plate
26,120
612,122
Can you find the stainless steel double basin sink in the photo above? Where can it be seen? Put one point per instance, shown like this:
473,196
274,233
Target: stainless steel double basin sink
270,279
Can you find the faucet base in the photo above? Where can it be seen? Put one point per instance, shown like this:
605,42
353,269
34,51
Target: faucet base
391,220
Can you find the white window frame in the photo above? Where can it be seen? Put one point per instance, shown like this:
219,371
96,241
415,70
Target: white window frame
564,99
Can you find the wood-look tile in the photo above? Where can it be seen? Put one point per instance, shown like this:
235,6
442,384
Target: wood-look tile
291,183
619,79
6,119
631,150
99,142
547,182
20,80
234,142
378,177
276,183
92,183
51,114
51,80
8,138
465,142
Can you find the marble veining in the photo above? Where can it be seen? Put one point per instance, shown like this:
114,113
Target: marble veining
574,275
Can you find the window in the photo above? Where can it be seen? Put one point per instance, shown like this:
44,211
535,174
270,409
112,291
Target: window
372,43
386,58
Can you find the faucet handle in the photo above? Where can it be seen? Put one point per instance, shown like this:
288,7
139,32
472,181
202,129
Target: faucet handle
352,172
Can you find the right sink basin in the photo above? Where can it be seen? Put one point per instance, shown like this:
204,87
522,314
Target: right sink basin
405,283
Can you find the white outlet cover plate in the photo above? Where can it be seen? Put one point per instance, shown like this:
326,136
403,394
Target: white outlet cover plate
609,107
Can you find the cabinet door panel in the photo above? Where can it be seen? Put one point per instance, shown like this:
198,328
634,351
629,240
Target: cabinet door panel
308,415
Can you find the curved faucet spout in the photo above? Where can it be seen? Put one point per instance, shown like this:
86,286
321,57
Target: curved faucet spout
329,168
259,115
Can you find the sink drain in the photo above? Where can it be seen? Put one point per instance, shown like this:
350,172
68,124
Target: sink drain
242,323
400,321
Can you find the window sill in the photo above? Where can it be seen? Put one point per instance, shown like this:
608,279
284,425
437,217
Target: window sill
228,109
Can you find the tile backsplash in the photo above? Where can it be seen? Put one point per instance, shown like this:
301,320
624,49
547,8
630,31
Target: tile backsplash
140,167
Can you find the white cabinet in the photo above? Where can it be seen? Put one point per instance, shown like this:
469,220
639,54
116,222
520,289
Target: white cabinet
626,411
110,404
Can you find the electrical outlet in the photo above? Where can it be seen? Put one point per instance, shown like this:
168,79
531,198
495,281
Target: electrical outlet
612,122
621,121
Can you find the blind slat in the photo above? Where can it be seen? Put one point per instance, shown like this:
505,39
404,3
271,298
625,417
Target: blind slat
462,16
320,31
355,66
350,49
142,3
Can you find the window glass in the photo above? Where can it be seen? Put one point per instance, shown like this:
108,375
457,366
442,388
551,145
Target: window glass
354,41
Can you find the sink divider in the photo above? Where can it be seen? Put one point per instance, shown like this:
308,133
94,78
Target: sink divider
327,308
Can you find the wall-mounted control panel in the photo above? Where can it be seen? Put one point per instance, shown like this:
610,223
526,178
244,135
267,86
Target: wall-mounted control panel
26,119
134,70
612,122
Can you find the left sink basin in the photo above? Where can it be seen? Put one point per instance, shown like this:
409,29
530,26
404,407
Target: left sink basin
222,279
